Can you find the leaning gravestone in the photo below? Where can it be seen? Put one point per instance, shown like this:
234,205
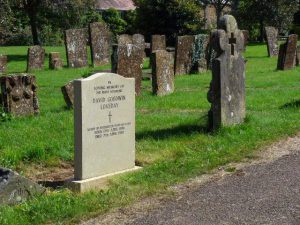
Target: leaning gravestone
15,189
104,114
162,73
127,59
19,94
68,93
227,89
184,54
100,41
200,54
75,41
35,58
272,40
55,62
158,42
3,63
288,53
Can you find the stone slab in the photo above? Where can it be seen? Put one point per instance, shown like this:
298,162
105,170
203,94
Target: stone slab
55,62
184,54
200,54
158,42
35,58
272,41
68,93
288,53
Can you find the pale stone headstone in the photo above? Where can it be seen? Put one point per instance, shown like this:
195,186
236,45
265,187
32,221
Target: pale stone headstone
200,54
272,41
35,58
184,54
227,89
162,73
100,40
68,93
55,62
104,114
127,59
3,63
75,41
19,94
288,53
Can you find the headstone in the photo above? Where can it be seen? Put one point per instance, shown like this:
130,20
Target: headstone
15,189
162,73
55,62
298,56
200,54
19,94
127,59
287,53
75,41
184,54
158,42
35,58
227,89
272,40
104,114
100,39
246,38
68,93
3,63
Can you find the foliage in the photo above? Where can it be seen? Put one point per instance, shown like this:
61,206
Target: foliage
114,20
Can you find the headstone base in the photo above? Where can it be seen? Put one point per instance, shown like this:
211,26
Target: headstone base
96,183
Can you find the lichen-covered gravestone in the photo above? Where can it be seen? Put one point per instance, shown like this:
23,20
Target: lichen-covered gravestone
104,117
227,89
3,63
184,54
200,54
162,73
158,42
35,58
272,40
100,41
127,59
287,53
19,94
55,62
68,93
15,189
75,41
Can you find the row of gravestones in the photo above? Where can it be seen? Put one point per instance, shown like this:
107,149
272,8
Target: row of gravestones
288,53
104,111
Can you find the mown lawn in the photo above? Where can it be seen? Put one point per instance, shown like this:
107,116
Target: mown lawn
172,142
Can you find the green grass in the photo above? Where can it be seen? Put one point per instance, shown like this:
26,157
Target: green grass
171,139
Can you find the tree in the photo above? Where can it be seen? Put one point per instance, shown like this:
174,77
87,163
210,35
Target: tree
219,5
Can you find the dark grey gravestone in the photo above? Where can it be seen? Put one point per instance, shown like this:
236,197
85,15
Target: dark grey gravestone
127,58
272,40
3,63
227,89
35,58
200,54
162,73
68,93
288,53
75,41
184,54
158,42
55,62
19,94
100,41
15,189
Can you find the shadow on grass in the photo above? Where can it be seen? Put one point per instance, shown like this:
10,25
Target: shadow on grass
293,104
18,58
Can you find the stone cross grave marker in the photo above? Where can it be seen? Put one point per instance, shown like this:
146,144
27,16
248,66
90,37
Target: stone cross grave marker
19,94
288,53
100,41
35,58
75,41
227,89
162,72
104,114
272,40
3,63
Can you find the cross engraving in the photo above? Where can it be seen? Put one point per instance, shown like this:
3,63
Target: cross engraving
109,117
232,41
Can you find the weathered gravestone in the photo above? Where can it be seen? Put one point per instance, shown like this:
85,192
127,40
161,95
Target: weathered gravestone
3,63
75,41
68,93
287,53
100,41
15,189
298,56
104,114
162,73
272,40
200,54
184,54
35,58
227,89
127,59
158,42
246,38
55,62
19,94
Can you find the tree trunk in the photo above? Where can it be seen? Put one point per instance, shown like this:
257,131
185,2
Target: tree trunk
34,28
